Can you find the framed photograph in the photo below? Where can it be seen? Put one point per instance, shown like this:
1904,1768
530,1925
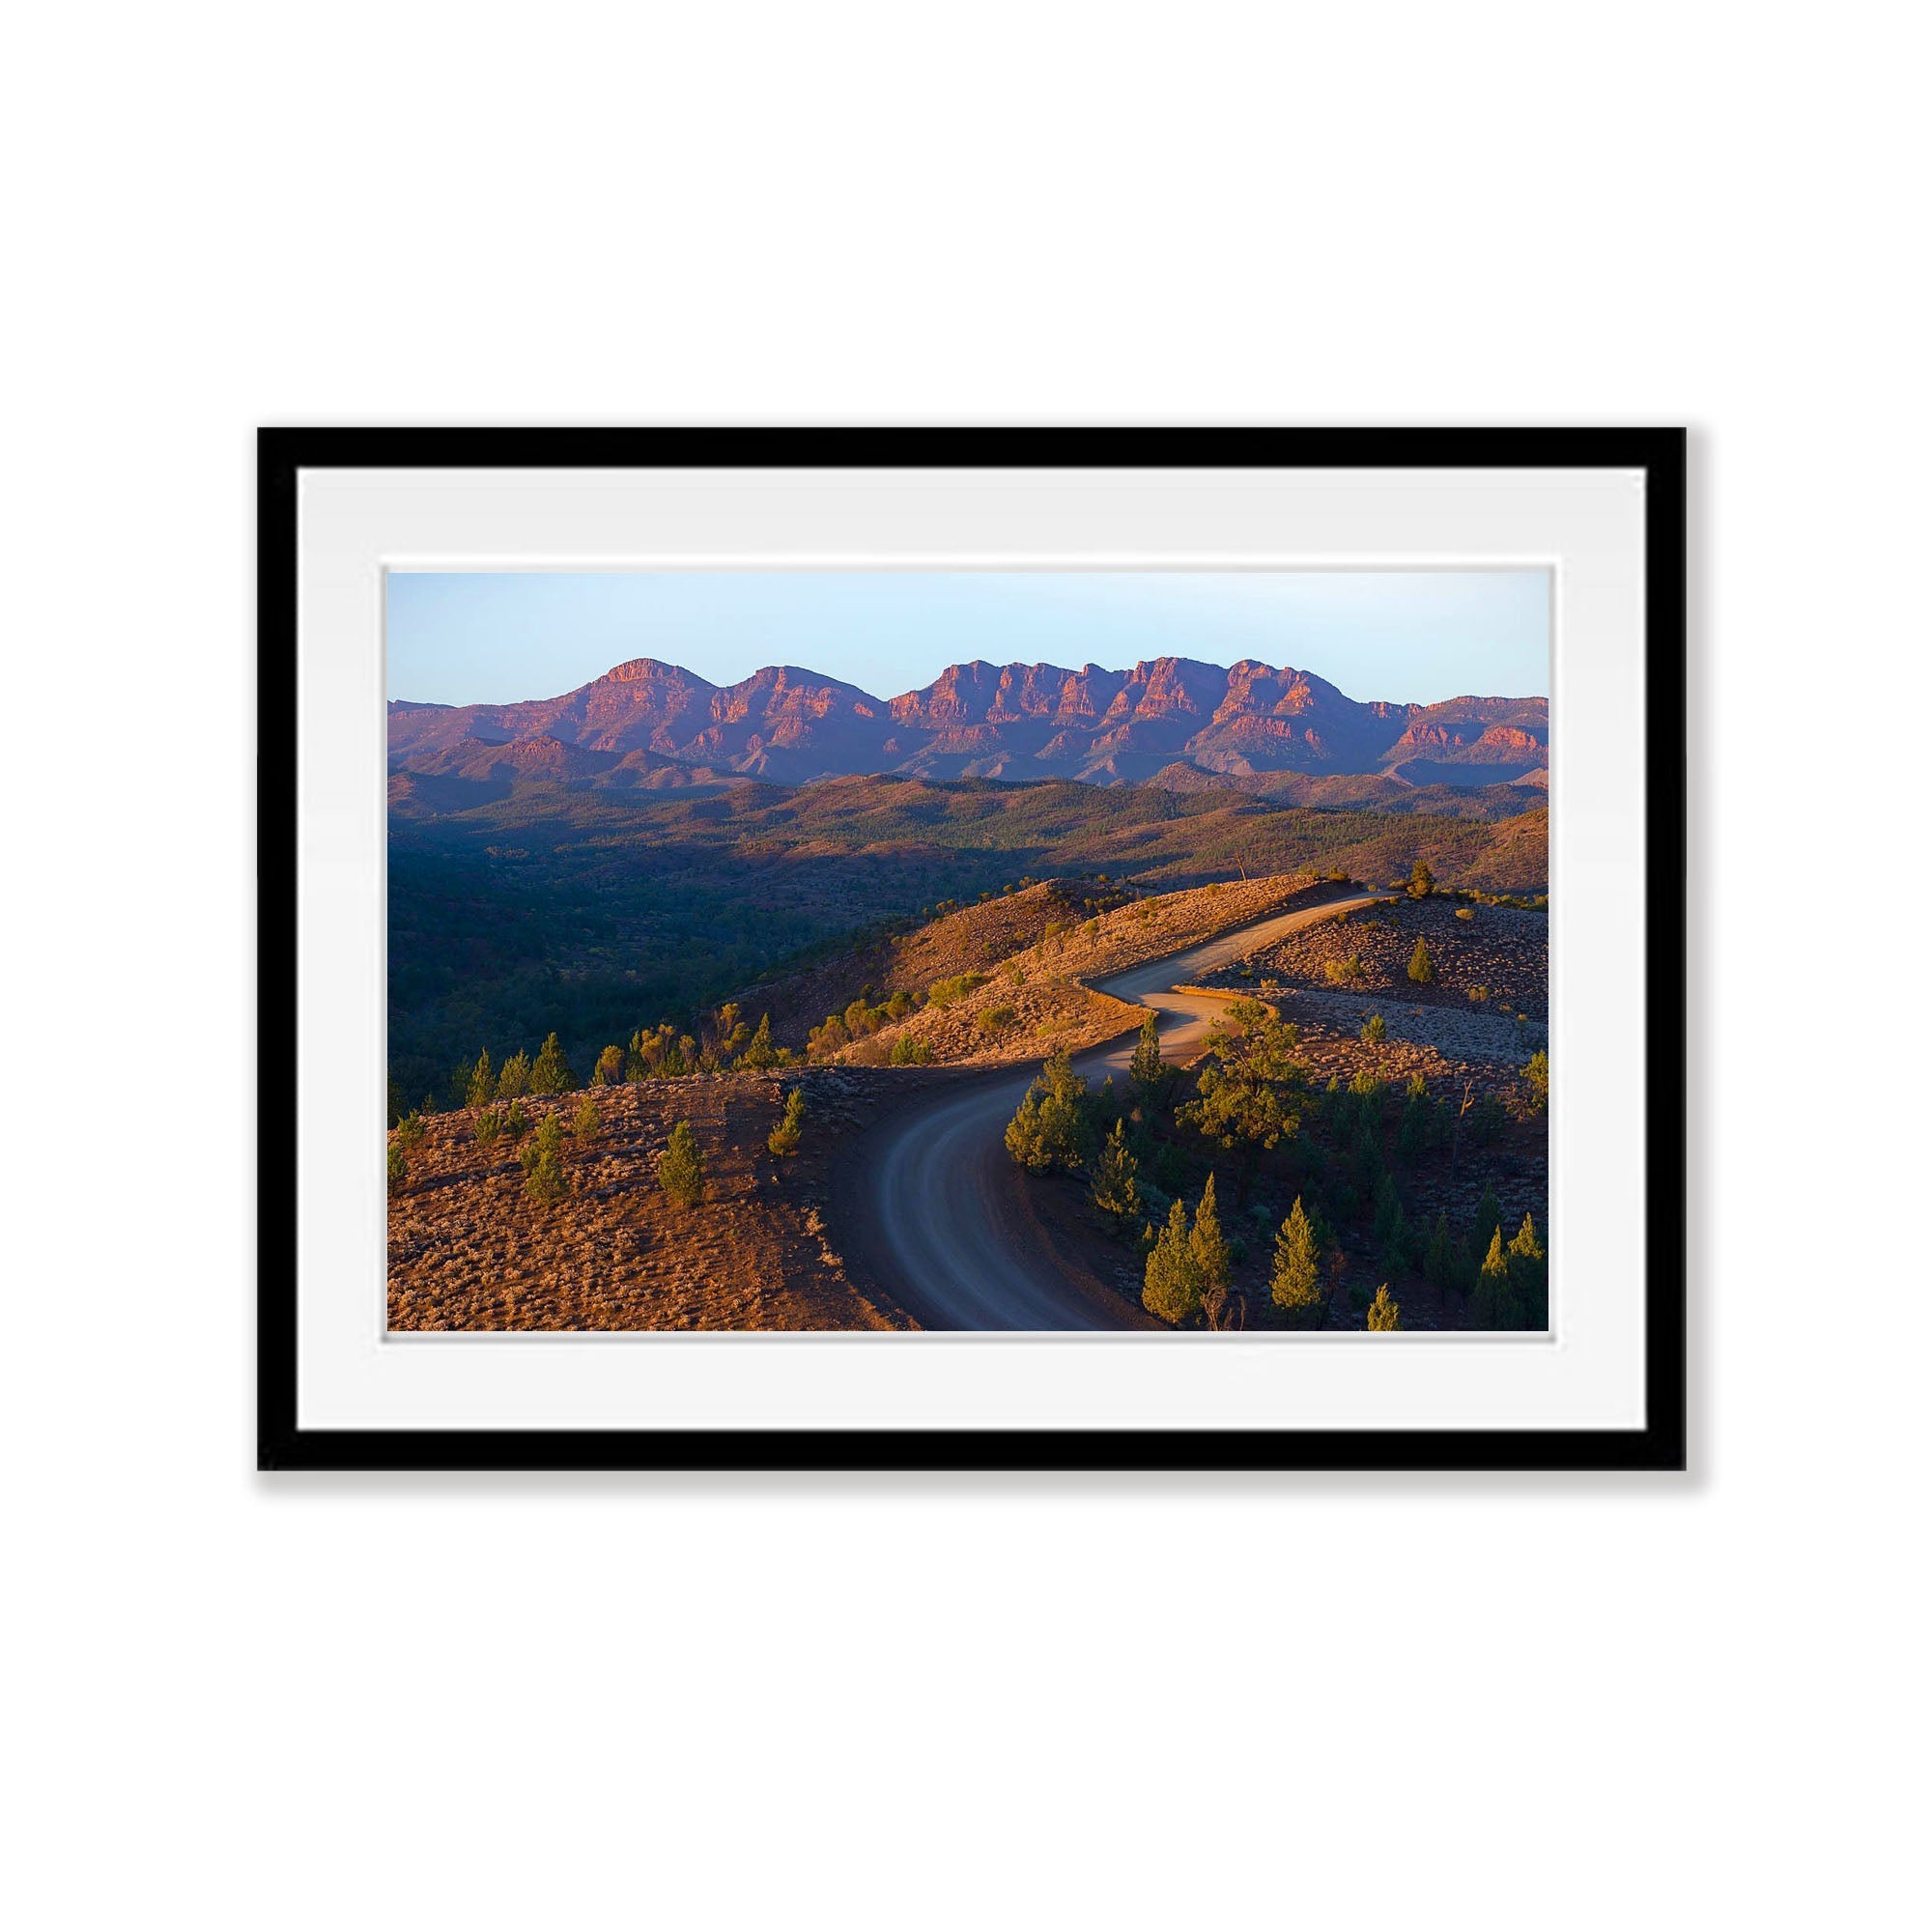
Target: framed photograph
963,949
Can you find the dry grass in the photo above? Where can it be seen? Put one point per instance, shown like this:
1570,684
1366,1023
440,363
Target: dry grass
469,1250
1045,981
1502,950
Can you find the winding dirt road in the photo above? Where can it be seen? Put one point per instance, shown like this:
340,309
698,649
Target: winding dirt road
936,1207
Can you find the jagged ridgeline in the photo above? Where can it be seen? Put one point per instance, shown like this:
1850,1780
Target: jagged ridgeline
1171,720
651,843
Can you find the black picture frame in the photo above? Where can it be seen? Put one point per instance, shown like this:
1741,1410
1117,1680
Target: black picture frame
1661,1445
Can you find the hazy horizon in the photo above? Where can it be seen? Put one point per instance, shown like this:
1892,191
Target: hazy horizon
1398,636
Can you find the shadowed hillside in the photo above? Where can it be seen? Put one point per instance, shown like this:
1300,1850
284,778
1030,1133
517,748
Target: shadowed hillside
527,904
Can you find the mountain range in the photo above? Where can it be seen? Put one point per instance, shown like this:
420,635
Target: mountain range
1171,722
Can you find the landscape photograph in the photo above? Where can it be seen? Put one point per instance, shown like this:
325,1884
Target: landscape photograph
1160,952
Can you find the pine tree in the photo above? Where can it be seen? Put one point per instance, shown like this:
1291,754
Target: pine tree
1488,1217
1438,1264
610,1070
482,1088
762,1052
784,1138
1412,1135
1147,1071
544,1178
1208,1247
1374,1030
1026,1140
1117,1191
1384,1313
515,1078
552,1072
1391,1225
1529,1276
681,1167
1173,1287
1421,880
1297,1282
1388,1209
586,1124
1488,1306
1050,1129
399,1167
1421,968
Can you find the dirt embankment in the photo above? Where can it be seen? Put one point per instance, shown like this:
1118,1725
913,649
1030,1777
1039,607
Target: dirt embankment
1040,997
469,1250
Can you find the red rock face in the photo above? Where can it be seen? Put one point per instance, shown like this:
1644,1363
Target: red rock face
1014,720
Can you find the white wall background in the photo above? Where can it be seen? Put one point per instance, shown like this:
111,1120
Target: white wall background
1349,1702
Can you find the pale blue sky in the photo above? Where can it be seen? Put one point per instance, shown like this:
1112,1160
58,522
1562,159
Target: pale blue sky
1415,636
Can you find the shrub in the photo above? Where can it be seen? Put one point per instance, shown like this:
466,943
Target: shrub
1384,1313
1374,1030
994,1019
1488,1120
784,1138
1465,912
681,1167
543,1179
586,1124
1348,971
948,992
1421,968
1536,1077
609,1070
909,1052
